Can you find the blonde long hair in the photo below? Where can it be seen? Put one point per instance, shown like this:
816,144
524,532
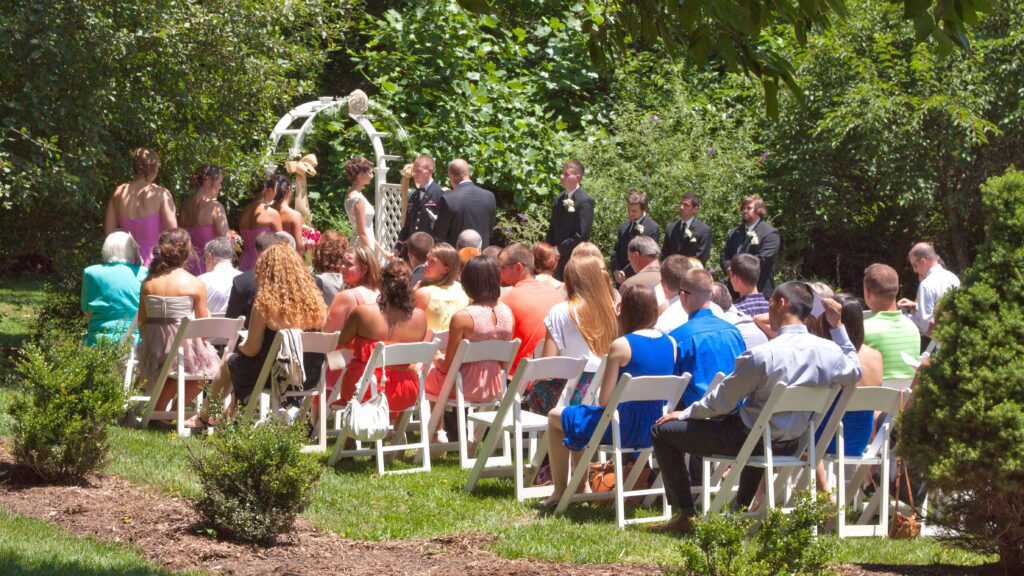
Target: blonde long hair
590,302
286,294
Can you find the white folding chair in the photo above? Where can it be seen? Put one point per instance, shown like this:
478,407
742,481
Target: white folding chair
132,361
500,351
666,389
886,401
383,356
512,418
174,367
783,398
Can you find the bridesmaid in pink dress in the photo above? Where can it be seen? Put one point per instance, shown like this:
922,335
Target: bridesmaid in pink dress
141,207
484,319
202,215
257,218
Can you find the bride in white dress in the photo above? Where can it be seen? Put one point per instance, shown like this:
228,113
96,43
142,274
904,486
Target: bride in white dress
359,171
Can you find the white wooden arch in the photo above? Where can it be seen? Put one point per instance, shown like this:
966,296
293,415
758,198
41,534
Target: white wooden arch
387,196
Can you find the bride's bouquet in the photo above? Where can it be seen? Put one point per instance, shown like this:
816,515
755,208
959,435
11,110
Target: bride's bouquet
310,236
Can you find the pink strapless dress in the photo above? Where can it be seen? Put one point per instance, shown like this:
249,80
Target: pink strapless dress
200,236
145,231
248,259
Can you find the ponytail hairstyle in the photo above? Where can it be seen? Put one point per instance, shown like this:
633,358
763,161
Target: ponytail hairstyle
396,288
203,174
172,251
282,186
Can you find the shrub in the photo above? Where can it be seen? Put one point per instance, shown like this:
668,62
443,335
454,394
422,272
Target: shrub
965,429
70,393
254,479
784,544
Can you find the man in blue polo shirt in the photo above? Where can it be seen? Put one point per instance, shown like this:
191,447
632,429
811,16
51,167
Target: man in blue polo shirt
707,344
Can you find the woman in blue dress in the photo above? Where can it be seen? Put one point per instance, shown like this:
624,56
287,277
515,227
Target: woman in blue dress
110,291
643,351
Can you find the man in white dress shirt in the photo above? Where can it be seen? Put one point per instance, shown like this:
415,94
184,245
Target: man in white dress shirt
713,426
218,280
935,282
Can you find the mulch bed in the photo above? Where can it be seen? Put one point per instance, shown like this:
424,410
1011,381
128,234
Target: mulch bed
166,530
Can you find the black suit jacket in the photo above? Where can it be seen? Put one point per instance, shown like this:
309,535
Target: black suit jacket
698,245
767,251
567,229
416,217
243,292
620,254
465,206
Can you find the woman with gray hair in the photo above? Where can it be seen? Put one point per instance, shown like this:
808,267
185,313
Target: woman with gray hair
110,291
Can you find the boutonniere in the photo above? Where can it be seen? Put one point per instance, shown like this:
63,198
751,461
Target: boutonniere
570,206
689,235
639,228
754,241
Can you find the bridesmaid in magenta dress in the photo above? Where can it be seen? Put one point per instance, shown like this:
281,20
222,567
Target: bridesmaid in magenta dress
141,207
202,215
257,217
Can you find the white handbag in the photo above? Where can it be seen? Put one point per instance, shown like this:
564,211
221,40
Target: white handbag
369,421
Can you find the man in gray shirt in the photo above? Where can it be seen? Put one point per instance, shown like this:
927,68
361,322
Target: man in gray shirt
712,425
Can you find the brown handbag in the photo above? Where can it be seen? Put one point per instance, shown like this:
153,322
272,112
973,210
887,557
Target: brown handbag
904,527
602,479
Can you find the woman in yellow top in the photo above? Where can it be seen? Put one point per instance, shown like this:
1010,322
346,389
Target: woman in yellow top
440,294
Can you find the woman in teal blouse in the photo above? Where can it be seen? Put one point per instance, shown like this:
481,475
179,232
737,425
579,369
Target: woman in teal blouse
110,291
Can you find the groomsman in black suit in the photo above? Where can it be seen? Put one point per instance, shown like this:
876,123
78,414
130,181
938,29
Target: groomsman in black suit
466,205
572,216
422,200
754,237
639,223
688,236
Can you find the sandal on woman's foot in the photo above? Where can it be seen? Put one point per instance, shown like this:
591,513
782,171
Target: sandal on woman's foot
551,503
197,422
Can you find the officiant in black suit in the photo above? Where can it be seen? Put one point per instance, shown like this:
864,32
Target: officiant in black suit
422,200
466,205
572,216
754,237
688,236
638,224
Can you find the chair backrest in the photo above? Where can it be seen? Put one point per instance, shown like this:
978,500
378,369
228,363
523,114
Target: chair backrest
226,328
503,351
876,399
538,350
385,355
531,369
319,342
651,388
898,383
809,399
442,338
590,398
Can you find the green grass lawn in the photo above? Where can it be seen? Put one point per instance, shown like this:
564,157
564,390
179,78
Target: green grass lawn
20,300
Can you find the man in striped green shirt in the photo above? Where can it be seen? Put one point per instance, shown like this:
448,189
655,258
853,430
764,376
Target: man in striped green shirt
888,330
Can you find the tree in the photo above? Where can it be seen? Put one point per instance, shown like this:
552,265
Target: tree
965,428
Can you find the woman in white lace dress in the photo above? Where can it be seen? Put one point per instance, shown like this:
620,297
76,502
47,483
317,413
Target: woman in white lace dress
359,171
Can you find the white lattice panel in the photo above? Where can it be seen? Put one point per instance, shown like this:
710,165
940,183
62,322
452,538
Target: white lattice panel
389,213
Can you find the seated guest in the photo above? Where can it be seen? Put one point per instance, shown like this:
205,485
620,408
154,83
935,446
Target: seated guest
752,335
169,294
706,343
221,273
888,330
360,270
529,299
327,256
465,255
673,315
713,426
243,286
642,351
484,319
545,259
638,223
469,238
491,252
643,258
589,249
257,217
440,294
418,245
744,270
392,319
584,326
287,298
110,291
857,426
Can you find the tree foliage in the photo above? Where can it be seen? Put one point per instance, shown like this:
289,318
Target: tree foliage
966,425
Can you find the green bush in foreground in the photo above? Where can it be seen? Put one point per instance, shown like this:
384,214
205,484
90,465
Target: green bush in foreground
965,429
783,544
254,479
71,393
